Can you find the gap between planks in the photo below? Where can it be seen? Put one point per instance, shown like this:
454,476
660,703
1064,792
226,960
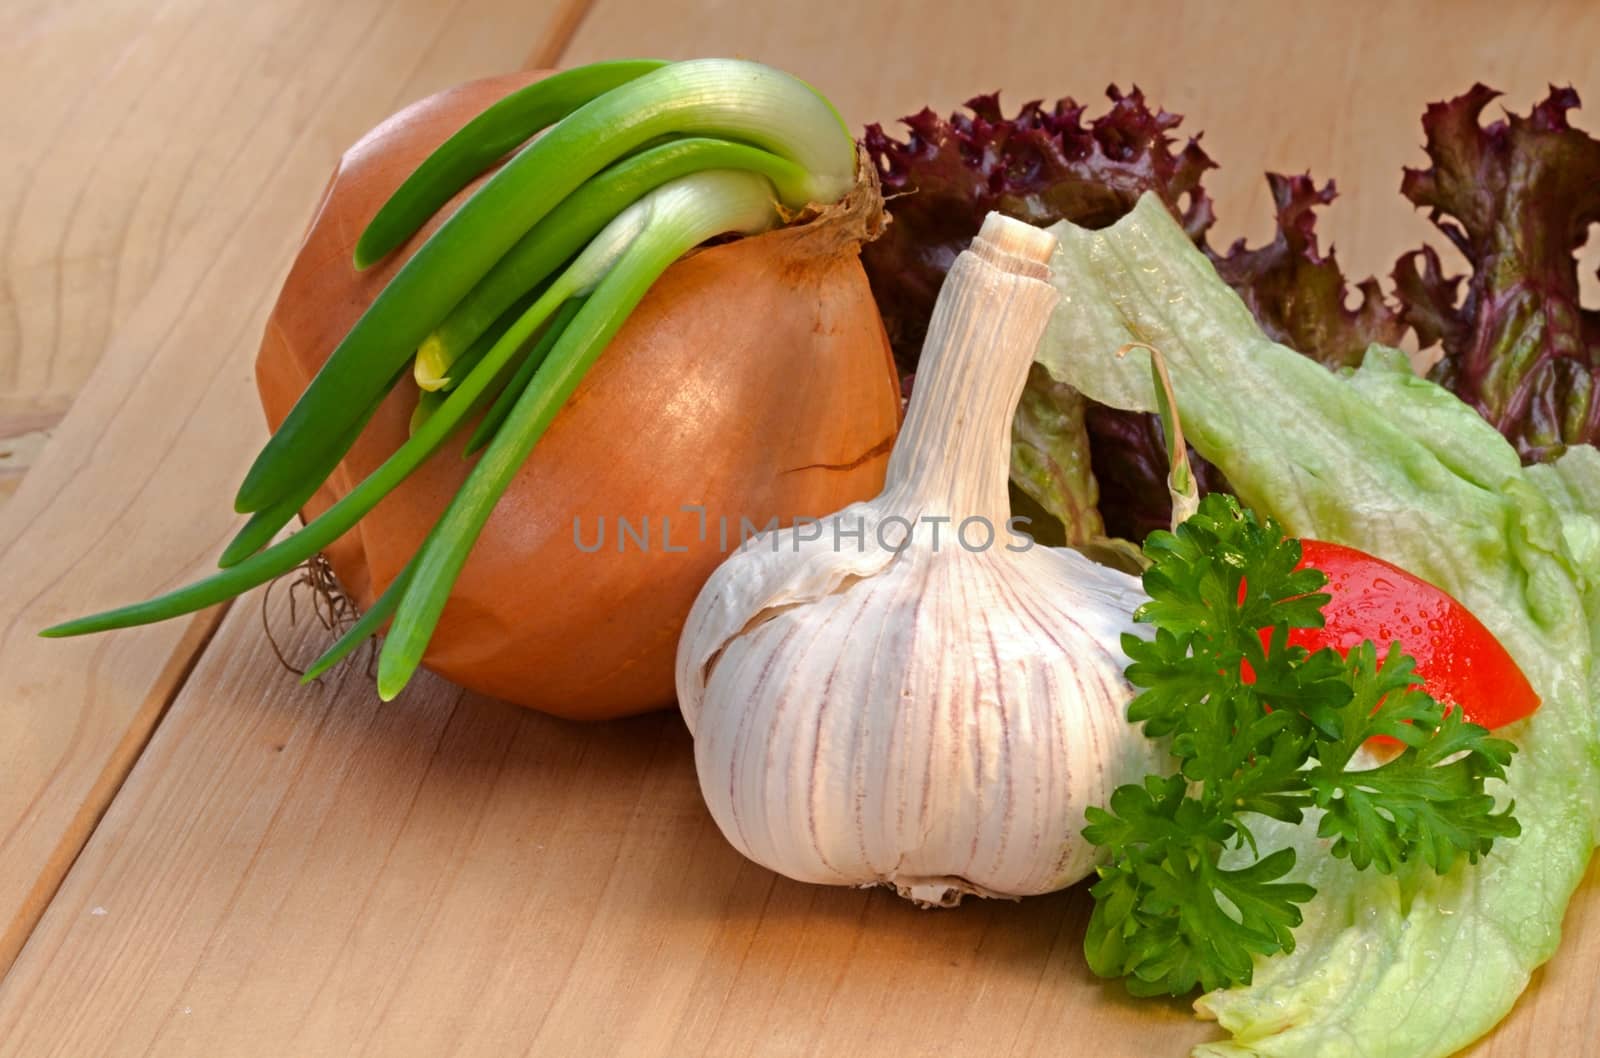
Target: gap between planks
201,630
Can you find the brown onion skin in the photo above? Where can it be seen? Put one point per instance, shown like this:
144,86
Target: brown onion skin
754,379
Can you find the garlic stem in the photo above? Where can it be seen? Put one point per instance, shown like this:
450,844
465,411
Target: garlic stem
954,448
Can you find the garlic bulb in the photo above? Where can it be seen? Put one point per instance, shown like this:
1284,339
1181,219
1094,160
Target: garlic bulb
908,692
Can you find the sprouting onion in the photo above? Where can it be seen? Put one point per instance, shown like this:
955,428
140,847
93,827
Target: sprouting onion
659,229
724,98
516,294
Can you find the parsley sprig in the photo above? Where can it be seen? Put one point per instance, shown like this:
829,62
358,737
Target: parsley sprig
1265,729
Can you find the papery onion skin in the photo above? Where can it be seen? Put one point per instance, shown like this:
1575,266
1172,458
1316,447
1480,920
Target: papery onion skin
754,380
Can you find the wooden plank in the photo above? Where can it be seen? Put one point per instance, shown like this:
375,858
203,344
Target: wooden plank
303,871
1335,89
307,871
129,125
22,438
129,496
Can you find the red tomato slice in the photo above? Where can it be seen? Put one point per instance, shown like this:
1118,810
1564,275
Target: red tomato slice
1460,661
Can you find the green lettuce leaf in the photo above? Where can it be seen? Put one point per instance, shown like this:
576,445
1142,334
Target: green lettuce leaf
1376,458
1052,484
1050,456
1572,485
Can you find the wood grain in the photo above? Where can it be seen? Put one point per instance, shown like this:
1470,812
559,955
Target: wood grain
22,437
308,872
304,871
128,123
130,496
1336,89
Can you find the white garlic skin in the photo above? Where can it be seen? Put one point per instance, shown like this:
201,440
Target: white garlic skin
932,718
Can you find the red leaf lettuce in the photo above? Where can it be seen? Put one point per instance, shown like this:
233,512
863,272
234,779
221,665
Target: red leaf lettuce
1516,197
1045,165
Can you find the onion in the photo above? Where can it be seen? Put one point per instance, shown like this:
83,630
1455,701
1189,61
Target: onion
754,380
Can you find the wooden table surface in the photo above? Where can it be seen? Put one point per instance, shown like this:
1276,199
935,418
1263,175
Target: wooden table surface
199,857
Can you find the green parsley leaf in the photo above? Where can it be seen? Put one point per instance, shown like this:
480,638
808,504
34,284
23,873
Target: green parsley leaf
1428,803
1262,728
